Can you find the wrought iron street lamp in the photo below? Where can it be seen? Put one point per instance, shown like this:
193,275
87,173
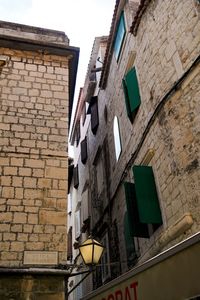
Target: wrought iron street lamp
91,252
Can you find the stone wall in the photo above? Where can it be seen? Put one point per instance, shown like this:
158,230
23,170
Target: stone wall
33,155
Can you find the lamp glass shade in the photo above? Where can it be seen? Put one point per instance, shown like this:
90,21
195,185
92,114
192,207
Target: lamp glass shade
91,251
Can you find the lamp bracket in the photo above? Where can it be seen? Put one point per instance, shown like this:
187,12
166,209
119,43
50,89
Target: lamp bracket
87,273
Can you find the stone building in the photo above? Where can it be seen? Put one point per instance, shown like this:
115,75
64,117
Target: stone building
79,203
143,155
37,79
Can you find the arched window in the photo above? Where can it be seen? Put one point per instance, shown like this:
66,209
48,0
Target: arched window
117,139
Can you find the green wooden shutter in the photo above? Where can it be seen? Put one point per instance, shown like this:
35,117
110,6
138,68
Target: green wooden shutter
133,89
136,228
146,194
128,108
131,92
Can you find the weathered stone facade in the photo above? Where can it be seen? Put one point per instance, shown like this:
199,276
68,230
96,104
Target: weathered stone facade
80,208
168,124
36,83
163,44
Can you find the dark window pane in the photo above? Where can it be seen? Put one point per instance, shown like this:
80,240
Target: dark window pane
136,228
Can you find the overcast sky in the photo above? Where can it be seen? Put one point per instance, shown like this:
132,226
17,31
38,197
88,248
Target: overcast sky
81,20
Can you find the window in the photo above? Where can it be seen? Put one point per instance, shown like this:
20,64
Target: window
142,202
105,268
84,150
129,242
131,93
76,178
117,138
136,227
121,30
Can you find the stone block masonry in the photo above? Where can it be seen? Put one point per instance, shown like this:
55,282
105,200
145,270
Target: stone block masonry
33,155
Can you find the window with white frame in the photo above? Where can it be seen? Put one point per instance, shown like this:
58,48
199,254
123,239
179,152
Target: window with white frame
121,31
117,139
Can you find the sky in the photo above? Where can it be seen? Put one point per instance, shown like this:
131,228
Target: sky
81,20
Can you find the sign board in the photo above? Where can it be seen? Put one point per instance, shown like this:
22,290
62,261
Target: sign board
172,275
40,258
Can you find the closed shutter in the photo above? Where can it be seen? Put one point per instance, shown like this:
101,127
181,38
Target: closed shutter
136,227
84,150
131,93
76,178
146,194
94,117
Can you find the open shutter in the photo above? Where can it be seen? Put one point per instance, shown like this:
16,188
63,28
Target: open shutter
94,117
133,89
128,108
76,178
131,92
146,194
84,150
136,228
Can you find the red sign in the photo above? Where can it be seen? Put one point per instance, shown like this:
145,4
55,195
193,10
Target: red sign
127,293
